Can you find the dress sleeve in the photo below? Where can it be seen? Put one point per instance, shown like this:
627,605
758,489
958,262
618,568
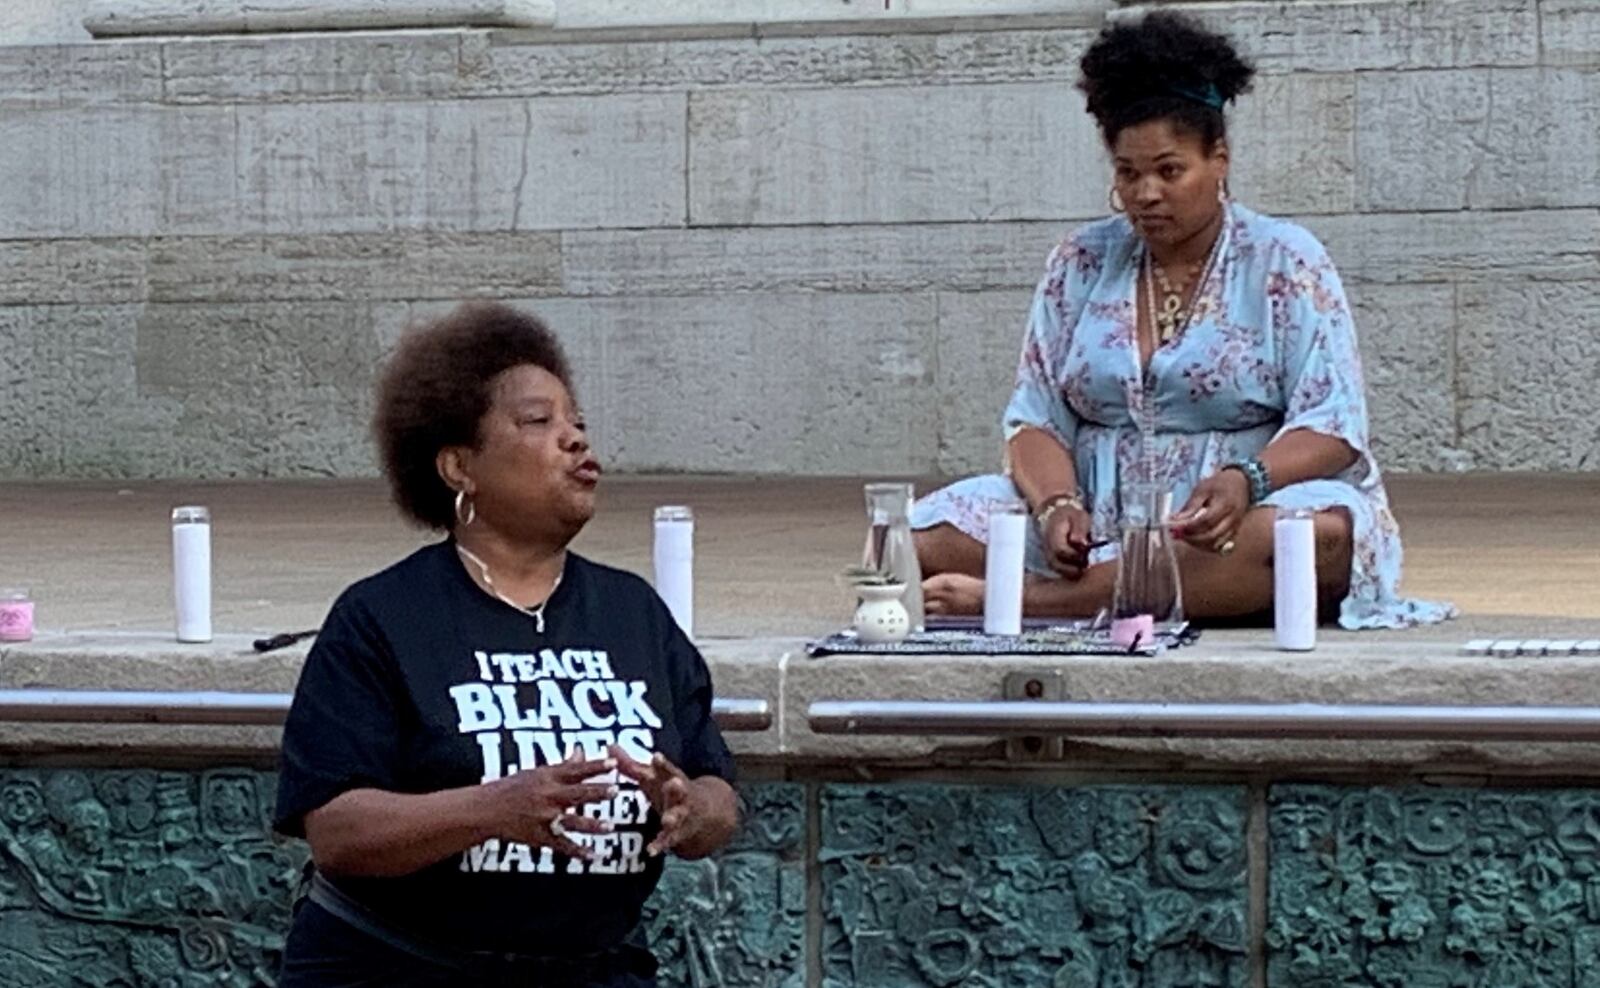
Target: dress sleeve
1036,398
345,722
1319,363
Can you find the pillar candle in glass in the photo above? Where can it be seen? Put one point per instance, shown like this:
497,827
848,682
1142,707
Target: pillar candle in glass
16,615
191,572
1003,567
674,562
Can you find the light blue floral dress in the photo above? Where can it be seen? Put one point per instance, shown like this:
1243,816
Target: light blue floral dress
1271,348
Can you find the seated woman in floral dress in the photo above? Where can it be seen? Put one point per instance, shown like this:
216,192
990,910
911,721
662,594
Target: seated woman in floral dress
1188,343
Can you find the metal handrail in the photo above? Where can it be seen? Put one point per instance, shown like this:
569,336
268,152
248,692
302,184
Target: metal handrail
238,709
1376,722
741,714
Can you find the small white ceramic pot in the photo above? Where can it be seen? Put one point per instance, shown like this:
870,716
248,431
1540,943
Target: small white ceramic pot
881,618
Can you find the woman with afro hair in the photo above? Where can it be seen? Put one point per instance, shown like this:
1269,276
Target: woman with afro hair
1186,344
495,741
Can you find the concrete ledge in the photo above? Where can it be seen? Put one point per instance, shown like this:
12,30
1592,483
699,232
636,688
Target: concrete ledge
108,18
1380,669
113,18
1403,668
133,661
608,14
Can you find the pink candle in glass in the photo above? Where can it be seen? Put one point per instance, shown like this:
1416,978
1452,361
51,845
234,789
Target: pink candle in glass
16,616
1130,631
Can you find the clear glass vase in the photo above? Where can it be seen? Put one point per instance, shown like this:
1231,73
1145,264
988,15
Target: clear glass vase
890,548
1149,591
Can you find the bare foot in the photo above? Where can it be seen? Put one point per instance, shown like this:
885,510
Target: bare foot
952,593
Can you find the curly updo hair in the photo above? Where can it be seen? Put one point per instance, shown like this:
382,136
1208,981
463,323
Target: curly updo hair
1164,66
436,388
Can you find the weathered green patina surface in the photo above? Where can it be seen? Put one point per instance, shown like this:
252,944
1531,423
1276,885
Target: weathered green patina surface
1106,886
739,919
144,879
141,879
167,879
1434,888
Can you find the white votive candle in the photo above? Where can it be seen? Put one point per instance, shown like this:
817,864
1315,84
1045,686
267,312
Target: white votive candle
191,572
1294,579
1003,568
674,563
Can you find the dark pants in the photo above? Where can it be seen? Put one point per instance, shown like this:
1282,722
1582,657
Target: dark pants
325,952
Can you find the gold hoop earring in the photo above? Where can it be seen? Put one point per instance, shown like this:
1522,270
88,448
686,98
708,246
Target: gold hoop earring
466,511
1115,201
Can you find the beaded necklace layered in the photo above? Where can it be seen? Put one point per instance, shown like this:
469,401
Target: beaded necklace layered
1170,321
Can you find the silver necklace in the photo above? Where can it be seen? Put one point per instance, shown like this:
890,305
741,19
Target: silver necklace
488,582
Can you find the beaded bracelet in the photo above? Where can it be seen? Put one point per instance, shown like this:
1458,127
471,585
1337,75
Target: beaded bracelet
1256,473
1069,500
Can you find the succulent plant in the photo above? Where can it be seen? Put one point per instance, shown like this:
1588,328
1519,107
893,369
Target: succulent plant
864,576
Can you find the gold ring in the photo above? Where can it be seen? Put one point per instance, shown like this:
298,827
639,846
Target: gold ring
1225,548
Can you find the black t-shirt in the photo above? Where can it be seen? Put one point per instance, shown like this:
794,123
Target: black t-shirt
419,681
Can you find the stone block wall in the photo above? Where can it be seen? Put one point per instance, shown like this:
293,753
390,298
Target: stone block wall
771,254
42,22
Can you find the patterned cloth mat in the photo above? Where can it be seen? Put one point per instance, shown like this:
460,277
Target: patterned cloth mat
958,636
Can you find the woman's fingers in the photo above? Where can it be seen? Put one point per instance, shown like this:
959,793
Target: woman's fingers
1193,511
1204,518
665,784
573,770
580,824
666,769
675,815
1070,556
1068,546
1192,526
1217,533
643,773
582,795
1081,534
667,838
656,777
1068,567
1210,536
674,826
936,593
675,818
952,593
1214,513
571,849
559,842
1066,553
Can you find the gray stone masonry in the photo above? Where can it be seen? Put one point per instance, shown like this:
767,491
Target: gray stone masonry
771,253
